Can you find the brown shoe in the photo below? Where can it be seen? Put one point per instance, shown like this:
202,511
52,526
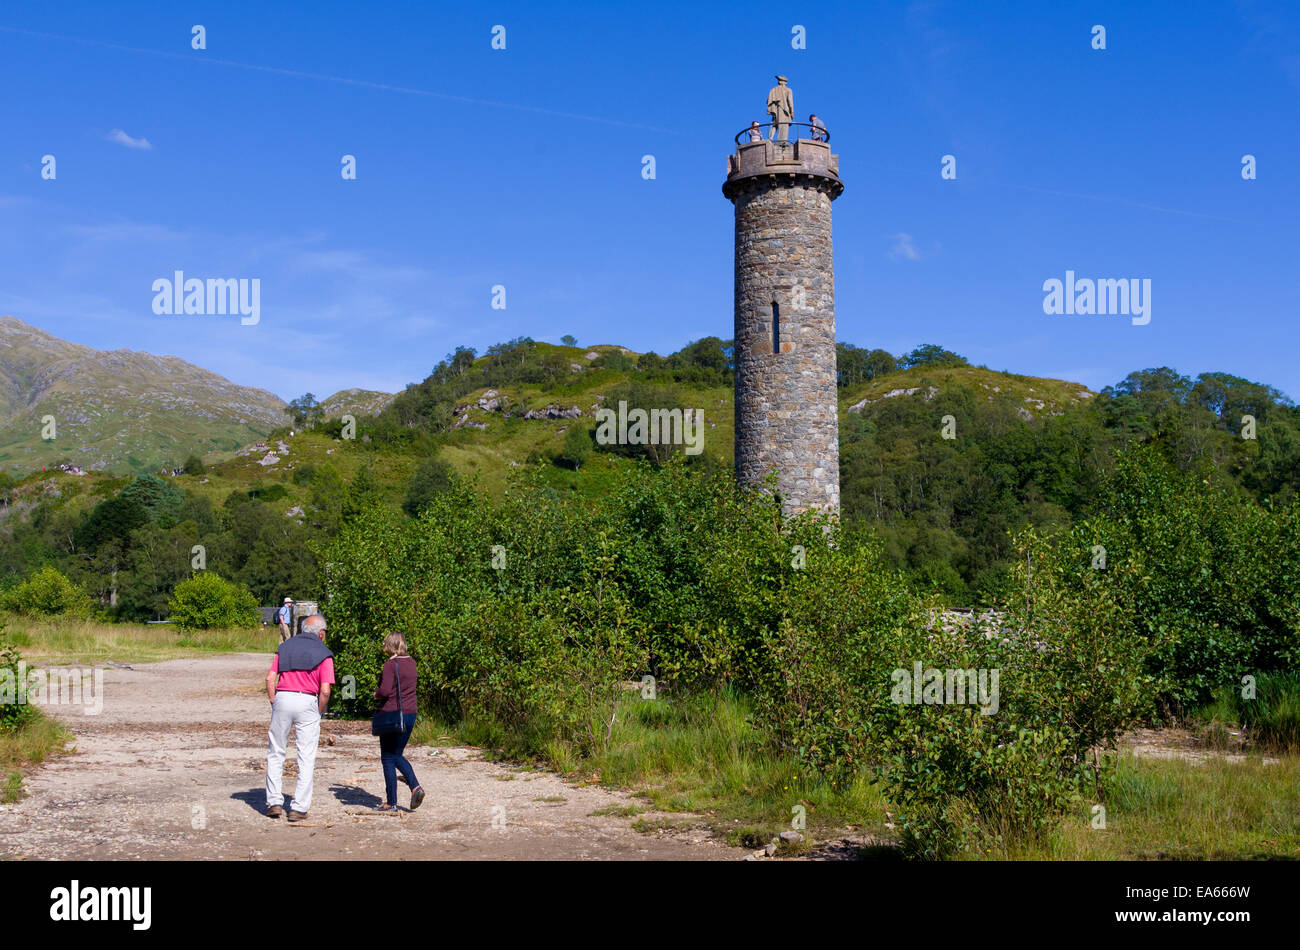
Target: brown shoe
275,811
297,815
417,797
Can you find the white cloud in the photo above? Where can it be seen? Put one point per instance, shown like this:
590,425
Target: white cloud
121,138
903,248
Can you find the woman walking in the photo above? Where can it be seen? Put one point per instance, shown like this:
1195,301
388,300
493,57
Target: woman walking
395,720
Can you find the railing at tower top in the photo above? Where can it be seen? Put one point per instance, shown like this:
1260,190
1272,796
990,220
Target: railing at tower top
814,132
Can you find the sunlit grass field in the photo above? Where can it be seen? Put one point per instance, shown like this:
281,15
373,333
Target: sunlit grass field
87,641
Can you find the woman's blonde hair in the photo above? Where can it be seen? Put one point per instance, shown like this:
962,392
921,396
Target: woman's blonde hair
395,645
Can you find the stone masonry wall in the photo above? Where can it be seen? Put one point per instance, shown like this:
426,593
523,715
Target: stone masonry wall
786,410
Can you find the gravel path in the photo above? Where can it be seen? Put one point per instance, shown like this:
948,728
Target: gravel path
174,768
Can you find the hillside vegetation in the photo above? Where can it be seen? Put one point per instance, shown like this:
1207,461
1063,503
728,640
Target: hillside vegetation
1023,451
1140,548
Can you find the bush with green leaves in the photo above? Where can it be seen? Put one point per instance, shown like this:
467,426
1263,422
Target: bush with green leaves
577,447
47,593
1211,578
206,601
534,615
12,713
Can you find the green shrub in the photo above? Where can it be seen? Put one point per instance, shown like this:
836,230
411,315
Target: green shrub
12,713
577,447
205,600
47,593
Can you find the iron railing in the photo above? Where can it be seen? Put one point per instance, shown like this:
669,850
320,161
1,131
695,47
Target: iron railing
813,130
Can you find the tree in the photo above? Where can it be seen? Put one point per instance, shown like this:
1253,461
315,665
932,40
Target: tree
304,411
160,499
432,477
569,340
206,600
46,593
931,354
577,447
193,465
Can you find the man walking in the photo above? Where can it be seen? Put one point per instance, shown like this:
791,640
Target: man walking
780,108
298,687
286,619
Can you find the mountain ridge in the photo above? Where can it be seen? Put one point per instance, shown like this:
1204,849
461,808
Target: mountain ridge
121,410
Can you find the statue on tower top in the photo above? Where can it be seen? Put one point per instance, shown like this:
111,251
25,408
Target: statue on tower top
780,108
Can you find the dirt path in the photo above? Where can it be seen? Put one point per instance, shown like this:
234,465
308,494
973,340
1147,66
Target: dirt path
174,768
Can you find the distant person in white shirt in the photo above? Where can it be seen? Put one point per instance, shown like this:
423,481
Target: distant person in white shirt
286,619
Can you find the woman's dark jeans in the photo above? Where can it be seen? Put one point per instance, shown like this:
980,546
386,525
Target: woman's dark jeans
391,745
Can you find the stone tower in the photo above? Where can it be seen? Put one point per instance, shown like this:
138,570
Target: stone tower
786,409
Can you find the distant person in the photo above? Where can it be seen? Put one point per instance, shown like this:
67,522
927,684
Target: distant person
286,619
395,720
818,130
755,133
298,685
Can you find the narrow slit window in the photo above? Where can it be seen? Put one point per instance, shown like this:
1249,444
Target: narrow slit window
776,327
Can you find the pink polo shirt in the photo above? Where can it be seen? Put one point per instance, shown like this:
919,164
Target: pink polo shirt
303,681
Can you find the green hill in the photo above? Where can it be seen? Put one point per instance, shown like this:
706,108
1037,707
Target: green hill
123,411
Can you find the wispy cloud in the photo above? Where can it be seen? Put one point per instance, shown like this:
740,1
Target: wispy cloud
904,248
121,138
363,83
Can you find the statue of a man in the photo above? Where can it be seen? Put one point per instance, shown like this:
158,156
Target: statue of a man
780,108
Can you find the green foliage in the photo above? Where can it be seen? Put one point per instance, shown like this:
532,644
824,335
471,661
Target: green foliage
649,397
1267,706
193,465
856,365
304,411
431,477
205,600
268,493
577,446
12,714
47,593
1211,578
930,354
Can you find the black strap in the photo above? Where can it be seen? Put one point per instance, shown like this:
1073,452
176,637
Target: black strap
398,668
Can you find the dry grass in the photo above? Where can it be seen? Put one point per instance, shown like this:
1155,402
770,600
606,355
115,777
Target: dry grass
27,746
88,641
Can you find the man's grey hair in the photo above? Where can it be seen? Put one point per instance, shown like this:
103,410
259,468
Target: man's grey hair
314,624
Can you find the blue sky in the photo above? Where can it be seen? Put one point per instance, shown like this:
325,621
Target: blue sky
522,168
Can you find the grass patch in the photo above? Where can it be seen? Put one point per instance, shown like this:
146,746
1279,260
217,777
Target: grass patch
699,754
90,641
35,739
1270,719
1211,808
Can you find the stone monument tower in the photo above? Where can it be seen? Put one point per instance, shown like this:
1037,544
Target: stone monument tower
786,409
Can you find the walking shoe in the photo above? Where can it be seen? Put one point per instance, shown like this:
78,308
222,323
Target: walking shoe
417,796
297,815
275,811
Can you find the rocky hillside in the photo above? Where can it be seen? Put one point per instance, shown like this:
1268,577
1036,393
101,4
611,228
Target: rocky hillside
118,410
356,402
